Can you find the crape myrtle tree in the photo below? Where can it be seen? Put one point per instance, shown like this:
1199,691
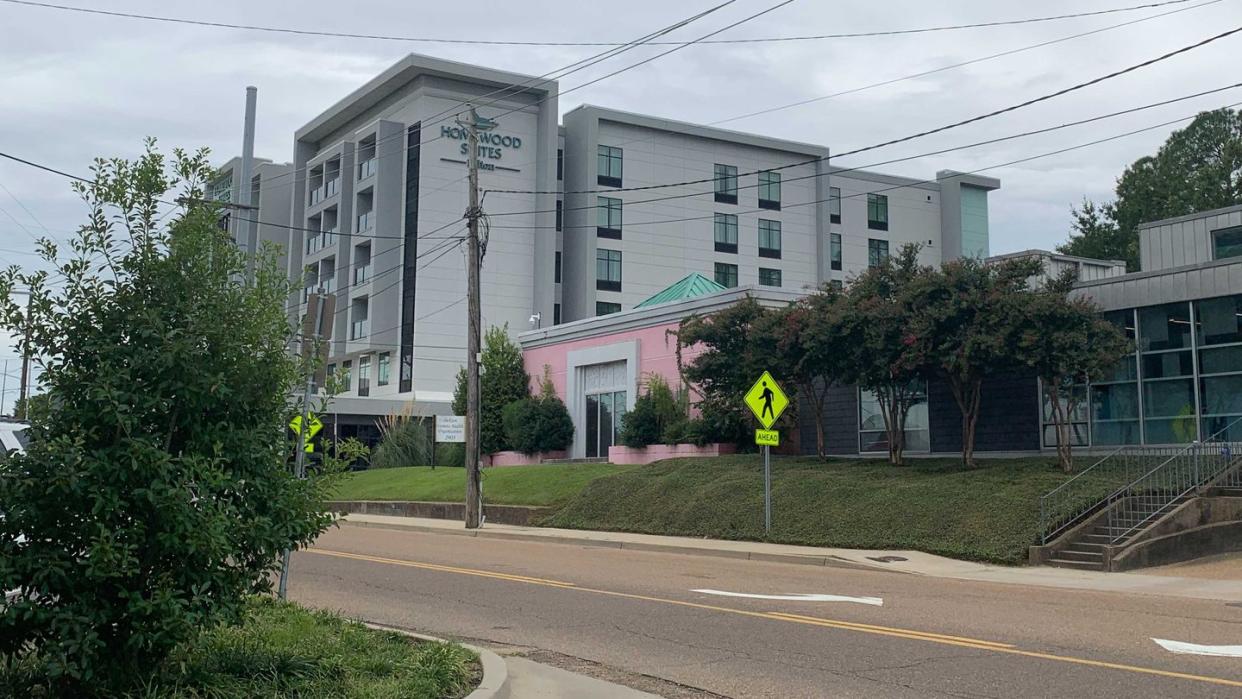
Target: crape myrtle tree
876,342
812,346
962,325
1064,341
156,492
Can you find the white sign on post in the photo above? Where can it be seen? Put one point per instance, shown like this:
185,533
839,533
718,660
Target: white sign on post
450,428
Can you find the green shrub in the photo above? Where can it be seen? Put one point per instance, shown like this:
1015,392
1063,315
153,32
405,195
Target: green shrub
404,441
156,493
504,380
451,454
535,425
657,417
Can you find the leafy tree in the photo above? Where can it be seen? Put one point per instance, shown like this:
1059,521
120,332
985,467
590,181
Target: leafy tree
1065,341
874,340
1198,168
504,380
155,494
812,347
539,424
963,325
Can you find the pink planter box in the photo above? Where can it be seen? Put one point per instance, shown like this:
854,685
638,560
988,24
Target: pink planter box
657,452
517,458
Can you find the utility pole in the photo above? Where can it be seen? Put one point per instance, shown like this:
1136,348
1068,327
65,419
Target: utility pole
23,399
474,487
4,386
246,232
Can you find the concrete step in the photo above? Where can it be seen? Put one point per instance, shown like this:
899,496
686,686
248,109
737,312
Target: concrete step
1072,554
1080,565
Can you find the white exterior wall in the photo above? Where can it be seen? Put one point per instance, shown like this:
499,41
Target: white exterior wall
913,217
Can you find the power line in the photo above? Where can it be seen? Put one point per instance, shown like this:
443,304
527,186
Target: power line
891,161
498,42
911,137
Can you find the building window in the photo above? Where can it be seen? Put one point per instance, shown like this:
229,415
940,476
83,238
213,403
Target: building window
770,239
873,437
560,164
726,233
360,325
769,277
1078,419
834,204
877,252
560,214
604,415
770,190
1227,243
1167,371
877,212
1115,395
609,217
603,308
1218,324
347,375
556,314
726,184
834,250
608,270
364,375
608,165
726,275
557,272
382,369
836,284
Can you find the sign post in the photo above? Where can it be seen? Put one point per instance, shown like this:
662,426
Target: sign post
767,401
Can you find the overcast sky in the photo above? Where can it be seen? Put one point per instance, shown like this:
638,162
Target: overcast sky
77,86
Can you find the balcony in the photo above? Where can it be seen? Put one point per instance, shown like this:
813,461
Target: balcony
332,187
328,285
363,273
366,168
366,221
359,329
316,195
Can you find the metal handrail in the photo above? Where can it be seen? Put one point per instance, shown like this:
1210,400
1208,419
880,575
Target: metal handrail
1047,517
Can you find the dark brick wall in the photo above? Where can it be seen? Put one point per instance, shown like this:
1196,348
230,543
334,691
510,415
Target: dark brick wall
840,422
1008,416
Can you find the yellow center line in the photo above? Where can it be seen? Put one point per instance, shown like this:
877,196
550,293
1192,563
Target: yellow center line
909,634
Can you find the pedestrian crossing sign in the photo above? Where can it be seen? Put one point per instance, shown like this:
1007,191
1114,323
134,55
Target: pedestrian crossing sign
766,400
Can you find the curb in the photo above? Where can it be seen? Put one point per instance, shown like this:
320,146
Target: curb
822,561
495,682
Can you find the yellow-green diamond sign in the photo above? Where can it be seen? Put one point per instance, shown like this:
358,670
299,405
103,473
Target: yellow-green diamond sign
315,425
766,400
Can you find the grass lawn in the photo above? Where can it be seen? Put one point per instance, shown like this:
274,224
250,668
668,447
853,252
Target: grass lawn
541,485
990,513
283,650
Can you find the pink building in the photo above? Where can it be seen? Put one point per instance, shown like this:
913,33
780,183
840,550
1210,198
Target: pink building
599,364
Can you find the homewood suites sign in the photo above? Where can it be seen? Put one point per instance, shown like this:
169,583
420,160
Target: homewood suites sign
491,145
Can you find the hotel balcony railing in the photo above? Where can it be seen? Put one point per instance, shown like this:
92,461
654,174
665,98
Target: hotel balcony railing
327,285
366,221
366,168
363,273
359,329
316,195
331,187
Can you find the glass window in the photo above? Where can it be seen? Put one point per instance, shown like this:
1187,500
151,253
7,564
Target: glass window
1164,327
769,190
603,308
556,314
560,163
726,183
769,277
605,413
609,219
769,238
1115,413
560,214
347,375
836,284
726,275
872,435
1169,411
726,233
1220,360
877,252
1227,243
835,250
608,270
834,204
382,369
608,164
1219,321
364,375
877,212
1077,419
557,271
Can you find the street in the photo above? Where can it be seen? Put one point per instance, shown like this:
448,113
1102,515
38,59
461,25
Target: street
661,621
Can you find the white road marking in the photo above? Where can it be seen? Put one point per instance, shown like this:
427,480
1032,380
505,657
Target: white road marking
1196,649
874,601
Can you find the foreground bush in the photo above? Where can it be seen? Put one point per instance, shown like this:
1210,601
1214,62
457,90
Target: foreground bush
541,424
404,441
282,650
155,494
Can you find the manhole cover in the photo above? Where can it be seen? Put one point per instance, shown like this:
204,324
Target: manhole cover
886,559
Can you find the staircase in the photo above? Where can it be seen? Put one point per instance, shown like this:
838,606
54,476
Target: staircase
1083,530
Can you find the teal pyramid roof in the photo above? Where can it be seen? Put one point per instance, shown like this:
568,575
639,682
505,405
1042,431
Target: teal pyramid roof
687,287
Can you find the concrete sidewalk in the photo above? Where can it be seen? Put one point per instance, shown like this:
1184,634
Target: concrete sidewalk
910,562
